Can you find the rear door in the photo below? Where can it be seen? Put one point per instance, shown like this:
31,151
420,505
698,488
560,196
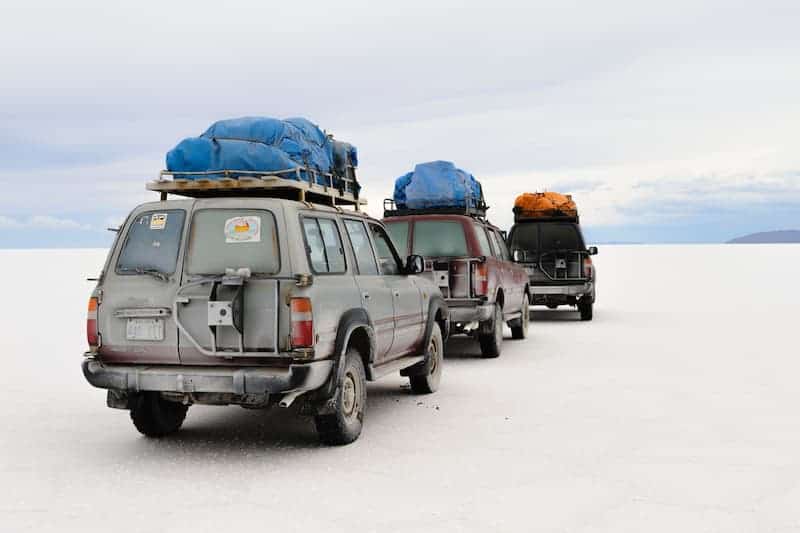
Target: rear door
220,318
139,286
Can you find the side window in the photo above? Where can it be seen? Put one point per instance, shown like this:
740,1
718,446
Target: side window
333,245
483,241
324,246
387,257
500,244
362,248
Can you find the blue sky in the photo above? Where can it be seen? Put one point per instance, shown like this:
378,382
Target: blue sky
669,123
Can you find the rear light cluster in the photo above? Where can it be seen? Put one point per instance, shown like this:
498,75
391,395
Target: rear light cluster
302,323
480,279
91,325
587,267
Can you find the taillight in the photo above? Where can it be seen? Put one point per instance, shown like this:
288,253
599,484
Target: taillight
302,323
91,325
587,267
480,279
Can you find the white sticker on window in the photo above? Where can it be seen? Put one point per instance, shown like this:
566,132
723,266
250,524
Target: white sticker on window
243,229
158,221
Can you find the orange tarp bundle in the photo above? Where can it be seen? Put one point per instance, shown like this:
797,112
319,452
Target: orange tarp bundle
544,204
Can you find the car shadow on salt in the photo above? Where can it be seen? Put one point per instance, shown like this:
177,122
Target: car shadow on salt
463,347
234,430
565,315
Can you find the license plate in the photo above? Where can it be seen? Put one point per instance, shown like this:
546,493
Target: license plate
145,329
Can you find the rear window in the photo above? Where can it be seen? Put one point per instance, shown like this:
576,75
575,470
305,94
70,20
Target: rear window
525,237
233,238
398,231
152,243
439,238
560,237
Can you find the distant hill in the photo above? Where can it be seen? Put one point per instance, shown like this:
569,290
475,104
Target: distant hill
790,235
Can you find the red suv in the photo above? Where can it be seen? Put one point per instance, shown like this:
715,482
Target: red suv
467,257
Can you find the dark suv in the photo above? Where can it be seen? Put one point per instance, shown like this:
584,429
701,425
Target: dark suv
558,263
468,259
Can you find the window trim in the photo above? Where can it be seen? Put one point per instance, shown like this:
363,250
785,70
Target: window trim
127,229
353,248
315,217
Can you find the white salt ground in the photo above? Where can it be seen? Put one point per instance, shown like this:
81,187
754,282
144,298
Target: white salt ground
676,409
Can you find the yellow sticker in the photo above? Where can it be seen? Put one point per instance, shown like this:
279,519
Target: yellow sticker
158,221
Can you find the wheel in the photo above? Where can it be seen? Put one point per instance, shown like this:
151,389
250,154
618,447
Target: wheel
492,343
154,416
343,426
521,331
585,306
428,383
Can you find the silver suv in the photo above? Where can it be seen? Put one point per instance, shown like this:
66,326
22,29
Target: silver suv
258,302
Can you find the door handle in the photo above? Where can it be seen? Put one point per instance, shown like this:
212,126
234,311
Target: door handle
396,294
365,295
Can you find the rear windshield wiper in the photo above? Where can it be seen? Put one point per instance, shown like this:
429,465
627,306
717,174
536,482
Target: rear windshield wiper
150,272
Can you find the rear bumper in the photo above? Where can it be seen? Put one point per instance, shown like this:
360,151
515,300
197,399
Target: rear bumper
566,290
188,379
469,311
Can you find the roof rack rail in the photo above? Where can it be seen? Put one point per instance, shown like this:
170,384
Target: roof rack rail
550,215
390,210
301,184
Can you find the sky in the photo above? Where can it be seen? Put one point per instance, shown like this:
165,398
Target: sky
668,122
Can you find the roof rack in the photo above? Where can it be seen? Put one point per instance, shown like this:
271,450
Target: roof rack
390,210
301,184
549,215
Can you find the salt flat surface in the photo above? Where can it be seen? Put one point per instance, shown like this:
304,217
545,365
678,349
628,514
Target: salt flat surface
676,409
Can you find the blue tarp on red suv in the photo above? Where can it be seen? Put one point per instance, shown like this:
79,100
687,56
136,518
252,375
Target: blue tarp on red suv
261,144
437,184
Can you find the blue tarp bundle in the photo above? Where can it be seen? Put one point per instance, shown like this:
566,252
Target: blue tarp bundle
438,184
261,144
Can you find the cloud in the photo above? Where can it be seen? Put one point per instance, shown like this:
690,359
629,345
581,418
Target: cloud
44,222
647,113
7,222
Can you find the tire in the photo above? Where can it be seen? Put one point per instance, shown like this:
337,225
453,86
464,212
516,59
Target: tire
521,331
343,426
428,383
155,417
586,307
492,344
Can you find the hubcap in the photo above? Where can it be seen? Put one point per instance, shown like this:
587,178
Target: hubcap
349,394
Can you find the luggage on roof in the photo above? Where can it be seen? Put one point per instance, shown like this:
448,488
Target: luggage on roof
544,205
438,185
263,145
